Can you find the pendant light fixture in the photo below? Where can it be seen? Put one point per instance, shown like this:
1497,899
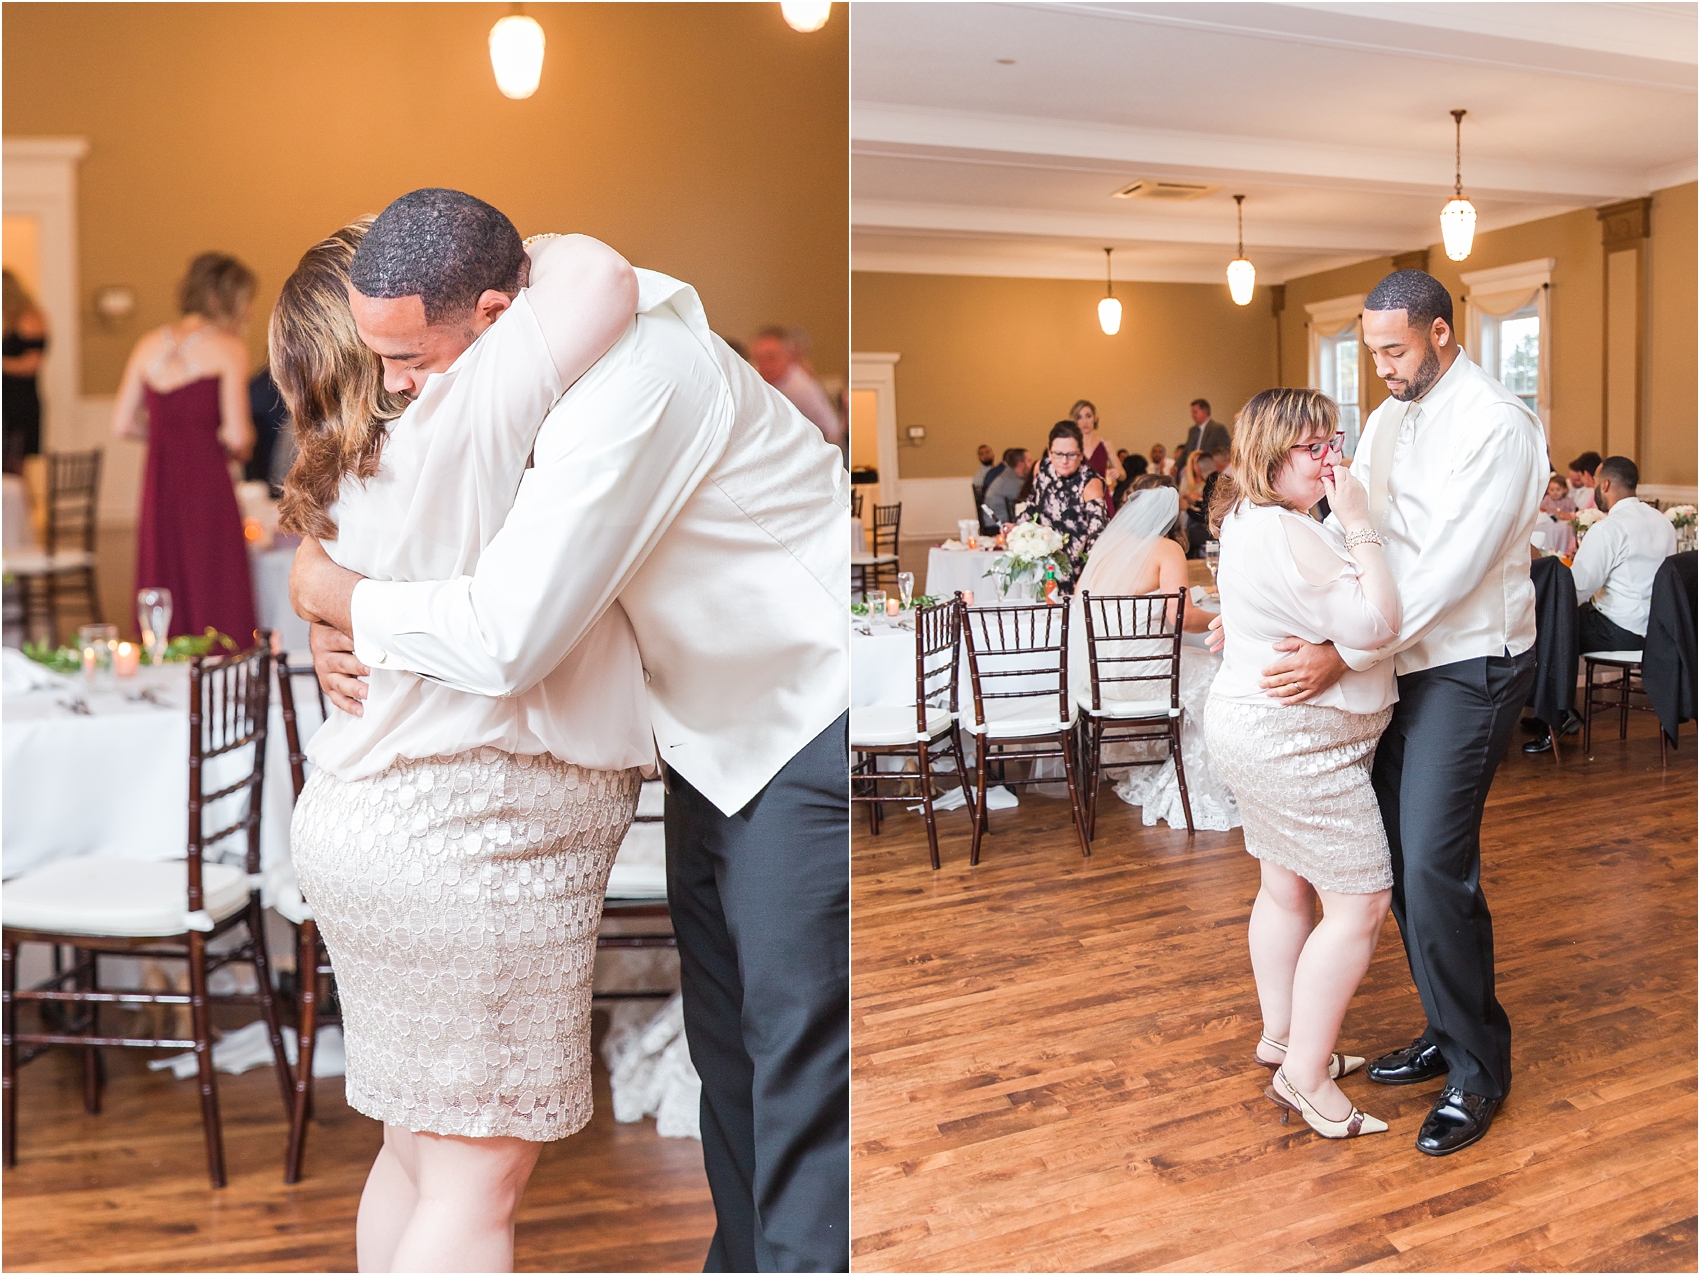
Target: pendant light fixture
1458,218
516,55
1242,275
1109,309
806,15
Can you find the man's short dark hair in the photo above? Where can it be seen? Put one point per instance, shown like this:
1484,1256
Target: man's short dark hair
442,246
1586,463
1201,402
1419,294
1136,465
1622,472
1012,456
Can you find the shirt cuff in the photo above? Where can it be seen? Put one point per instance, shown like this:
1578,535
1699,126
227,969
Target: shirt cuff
1357,661
371,615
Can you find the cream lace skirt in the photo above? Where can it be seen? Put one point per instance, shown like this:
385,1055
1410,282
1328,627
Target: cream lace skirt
459,899
1300,774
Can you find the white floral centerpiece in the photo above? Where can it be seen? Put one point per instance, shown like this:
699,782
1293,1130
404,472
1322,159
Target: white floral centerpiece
1586,518
1682,517
1030,548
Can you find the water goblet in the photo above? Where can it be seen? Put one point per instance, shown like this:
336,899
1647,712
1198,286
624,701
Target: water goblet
1213,557
153,615
97,642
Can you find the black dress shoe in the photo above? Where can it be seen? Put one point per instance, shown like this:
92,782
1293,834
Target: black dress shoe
1417,1062
1457,1120
1535,726
1541,745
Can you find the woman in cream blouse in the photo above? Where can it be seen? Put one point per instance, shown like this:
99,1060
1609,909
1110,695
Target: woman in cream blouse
455,847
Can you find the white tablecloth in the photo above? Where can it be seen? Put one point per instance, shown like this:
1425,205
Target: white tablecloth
271,597
858,537
949,570
116,782
18,532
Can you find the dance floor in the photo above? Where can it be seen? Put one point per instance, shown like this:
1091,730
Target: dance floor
1053,1056
127,1190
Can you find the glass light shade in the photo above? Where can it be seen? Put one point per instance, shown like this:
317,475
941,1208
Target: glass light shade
1110,316
1458,228
516,55
806,15
1242,278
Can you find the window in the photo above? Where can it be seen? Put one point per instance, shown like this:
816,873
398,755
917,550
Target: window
1337,372
1511,352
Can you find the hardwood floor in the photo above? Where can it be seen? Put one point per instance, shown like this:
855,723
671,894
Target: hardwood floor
1052,1056
127,1190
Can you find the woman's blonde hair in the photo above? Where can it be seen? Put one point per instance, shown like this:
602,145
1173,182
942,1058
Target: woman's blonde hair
1269,427
331,383
18,301
216,286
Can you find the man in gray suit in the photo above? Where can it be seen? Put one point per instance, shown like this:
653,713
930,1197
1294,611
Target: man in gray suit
1206,434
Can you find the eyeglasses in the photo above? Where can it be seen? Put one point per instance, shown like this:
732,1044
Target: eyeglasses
1318,449
1056,455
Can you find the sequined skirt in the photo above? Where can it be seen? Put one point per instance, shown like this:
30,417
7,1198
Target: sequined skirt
1300,774
459,898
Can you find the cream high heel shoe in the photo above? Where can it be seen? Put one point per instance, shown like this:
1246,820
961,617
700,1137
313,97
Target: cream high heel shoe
1338,1064
1282,1093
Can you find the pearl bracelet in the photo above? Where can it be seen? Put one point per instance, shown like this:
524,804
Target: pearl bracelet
1362,536
526,243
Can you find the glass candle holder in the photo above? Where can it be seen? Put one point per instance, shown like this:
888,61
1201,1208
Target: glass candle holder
98,643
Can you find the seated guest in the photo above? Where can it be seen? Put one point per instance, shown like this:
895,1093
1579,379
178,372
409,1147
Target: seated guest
989,524
978,482
1559,533
1582,471
1160,462
1003,491
1617,560
1198,517
1069,497
1132,467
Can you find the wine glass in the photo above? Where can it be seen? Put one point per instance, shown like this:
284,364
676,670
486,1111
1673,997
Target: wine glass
905,587
1213,557
153,614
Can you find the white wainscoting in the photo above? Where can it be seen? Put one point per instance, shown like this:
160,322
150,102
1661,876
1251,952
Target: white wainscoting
1668,495
932,506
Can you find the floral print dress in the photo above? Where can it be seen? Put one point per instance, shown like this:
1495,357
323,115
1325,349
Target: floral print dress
1059,505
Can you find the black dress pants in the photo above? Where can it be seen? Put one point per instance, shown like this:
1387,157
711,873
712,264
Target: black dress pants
761,907
1432,771
1594,632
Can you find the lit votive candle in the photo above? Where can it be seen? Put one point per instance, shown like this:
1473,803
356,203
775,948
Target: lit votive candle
973,542
968,597
892,606
126,659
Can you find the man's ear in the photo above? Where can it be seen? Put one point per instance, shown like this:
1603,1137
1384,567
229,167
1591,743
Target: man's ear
489,307
1442,332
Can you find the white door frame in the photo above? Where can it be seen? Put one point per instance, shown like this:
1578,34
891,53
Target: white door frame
878,372
40,181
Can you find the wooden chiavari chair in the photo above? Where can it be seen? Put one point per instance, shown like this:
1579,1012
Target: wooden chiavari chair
872,569
1132,643
638,892
903,730
159,911
1018,664
63,568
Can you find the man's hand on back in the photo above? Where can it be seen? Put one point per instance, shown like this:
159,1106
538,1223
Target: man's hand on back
1305,673
320,591
339,672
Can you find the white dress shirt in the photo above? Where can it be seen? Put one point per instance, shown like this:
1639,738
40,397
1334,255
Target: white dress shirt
446,481
1617,560
1265,598
673,478
1468,471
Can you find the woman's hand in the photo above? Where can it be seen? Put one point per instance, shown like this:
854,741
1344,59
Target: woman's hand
1347,497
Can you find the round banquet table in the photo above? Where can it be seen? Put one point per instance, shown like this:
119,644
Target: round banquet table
116,781
949,570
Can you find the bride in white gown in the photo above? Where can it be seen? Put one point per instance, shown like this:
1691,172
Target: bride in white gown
1135,555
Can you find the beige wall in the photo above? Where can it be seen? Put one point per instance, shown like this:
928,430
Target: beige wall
707,141
1573,239
999,361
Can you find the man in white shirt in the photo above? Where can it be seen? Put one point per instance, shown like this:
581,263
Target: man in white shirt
1455,468
777,354
1616,562
671,479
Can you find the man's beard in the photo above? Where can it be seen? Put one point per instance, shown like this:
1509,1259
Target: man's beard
1424,380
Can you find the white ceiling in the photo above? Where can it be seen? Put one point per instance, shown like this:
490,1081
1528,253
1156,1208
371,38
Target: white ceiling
988,138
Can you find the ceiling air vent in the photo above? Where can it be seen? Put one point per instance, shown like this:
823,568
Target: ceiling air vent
1166,190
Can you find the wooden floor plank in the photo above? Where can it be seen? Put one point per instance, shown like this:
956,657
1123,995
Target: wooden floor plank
127,1190
1052,1067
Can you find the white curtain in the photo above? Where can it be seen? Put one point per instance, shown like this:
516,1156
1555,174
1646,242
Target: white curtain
1496,305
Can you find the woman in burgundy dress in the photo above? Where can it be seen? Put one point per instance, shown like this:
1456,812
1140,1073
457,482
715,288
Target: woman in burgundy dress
185,391
1100,452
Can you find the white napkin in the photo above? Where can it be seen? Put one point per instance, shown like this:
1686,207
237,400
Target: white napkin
954,546
19,675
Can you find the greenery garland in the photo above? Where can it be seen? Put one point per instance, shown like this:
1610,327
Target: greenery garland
180,650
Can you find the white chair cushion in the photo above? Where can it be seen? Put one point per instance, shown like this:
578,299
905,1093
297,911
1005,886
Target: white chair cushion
120,898
886,724
1613,657
637,881
872,559
36,563
1020,718
1122,709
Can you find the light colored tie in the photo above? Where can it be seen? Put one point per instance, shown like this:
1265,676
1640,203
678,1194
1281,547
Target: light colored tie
1381,463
